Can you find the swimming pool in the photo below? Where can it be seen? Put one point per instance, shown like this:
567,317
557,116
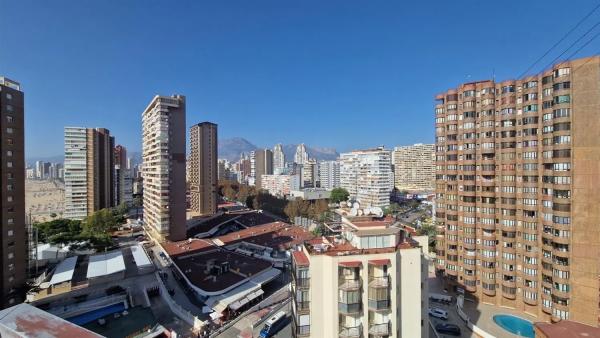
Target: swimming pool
87,317
515,325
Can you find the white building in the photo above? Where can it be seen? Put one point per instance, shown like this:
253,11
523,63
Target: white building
329,174
280,185
301,155
278,159
368,176
368,281
414,167
76,192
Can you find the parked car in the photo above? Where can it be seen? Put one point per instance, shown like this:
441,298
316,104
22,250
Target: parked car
450,329
438,313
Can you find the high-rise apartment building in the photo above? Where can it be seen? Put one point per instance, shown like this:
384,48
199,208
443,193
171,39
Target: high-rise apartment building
89,171
414,167
163,169
370,280
13,251
263,165
278,159
301,155
367,176
517,195
123,177
203,168
310,173
280,185
329,174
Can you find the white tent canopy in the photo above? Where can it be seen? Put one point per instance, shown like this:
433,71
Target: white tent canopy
105,264
64,271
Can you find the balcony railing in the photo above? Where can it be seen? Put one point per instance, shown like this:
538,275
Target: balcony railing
302,305
379,282
350,332
379,305
381,329
349,284
349,308
302,282
300,330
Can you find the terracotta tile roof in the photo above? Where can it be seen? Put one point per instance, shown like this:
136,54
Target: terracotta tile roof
300,258
379,262
567,329
276,235
384,222
187,246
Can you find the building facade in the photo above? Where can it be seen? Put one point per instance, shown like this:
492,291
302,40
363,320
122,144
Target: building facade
414,167
280,185
263,165
368,281
517,206
89,171
163,169
278,159
13,249
123,177
329,174
301,155
203,168
367,176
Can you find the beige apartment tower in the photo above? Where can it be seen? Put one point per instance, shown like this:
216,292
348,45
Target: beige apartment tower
414,167
517,191
368,279
163,170
203,168
13,246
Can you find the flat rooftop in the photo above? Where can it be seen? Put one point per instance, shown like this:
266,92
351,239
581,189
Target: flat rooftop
243,219
25,320
276,235
331,246
567,329
199,268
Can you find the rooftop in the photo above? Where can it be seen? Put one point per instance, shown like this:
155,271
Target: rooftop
64,271
218,269
25,320
220,222
105,264
567,329
276,235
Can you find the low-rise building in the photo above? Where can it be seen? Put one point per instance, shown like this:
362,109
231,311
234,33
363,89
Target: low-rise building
280,185
311,194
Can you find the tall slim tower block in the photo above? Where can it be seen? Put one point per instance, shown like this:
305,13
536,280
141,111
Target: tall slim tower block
517,168
13,249
203,168
163,170
89,171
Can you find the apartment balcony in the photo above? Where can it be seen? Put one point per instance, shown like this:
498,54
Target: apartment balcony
379,282
379,329
302,306
349,284
350,332
301,282
349,308
300,330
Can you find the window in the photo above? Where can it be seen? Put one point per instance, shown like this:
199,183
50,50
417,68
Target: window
562,99
9,119
9,153
9,107
8,96
561,72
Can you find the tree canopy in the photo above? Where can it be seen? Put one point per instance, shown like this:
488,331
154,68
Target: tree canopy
339,195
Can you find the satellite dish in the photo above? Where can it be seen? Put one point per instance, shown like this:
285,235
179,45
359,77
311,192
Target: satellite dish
349,204
353,212
368,211
360,212
377,211
356,205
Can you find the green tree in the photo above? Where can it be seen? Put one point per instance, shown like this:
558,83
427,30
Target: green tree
339,195
392,209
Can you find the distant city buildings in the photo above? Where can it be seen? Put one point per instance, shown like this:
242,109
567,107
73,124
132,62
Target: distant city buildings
45,171
517,191
370,280
301,155
414,167
367,175
163,170
123,177
89,171
329,174
263,164
203,168
13,251
280,185
278,159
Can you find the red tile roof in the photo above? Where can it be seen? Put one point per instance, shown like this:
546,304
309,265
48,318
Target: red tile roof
276,235
300,258
379,262
387,221
350,264
188,246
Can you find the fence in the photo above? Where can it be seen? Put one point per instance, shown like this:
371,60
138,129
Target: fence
185,315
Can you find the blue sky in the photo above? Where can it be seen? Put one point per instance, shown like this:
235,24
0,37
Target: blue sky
343,74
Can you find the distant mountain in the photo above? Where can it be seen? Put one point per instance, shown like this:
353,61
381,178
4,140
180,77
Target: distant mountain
231,149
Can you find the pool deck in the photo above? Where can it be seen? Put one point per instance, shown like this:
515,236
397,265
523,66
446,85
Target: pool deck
137,319
485,313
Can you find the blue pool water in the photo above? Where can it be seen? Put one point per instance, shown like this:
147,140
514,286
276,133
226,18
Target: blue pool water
87,317
515,325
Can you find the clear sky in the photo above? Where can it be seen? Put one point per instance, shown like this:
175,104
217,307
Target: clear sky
345,74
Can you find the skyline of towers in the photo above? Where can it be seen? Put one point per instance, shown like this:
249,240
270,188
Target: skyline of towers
203,168
278,159
164,166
